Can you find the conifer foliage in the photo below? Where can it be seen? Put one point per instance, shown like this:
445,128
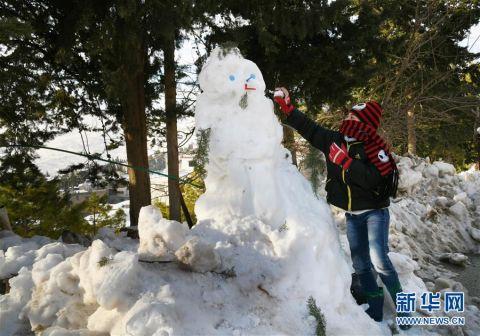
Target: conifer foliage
315,311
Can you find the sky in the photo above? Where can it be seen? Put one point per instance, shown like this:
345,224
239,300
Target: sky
52,161
473,40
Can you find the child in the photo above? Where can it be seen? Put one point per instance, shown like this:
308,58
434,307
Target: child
361,177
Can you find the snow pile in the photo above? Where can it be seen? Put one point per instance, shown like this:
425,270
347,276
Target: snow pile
438,221
21,252
159,238
119,242
198,256
439,214
165,240
32,259
406,268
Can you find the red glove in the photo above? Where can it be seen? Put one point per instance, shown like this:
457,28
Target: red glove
282,98
339,156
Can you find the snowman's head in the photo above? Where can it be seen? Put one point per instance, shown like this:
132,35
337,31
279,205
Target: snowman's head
228,75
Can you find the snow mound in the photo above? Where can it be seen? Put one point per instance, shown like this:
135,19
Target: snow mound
26,252
439,214
159,237
444,168
198,256
405,267
28,265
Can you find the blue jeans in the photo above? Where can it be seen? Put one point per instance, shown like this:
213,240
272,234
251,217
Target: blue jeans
367,235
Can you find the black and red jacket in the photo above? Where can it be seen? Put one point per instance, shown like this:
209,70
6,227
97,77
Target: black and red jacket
357,188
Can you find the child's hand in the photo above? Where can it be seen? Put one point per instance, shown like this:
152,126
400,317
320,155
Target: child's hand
339,156
282,98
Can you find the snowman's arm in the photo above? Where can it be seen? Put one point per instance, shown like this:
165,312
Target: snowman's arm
318,136
364,174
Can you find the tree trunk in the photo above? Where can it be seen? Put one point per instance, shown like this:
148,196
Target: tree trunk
135,129
4,221
289,142
172,137
477,138
412,137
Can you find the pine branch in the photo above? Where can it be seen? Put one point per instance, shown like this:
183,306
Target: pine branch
315,311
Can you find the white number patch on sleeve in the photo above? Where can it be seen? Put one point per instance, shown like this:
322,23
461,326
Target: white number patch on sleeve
359,107
382,156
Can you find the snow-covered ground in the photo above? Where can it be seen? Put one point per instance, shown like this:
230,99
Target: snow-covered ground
262,246
177,281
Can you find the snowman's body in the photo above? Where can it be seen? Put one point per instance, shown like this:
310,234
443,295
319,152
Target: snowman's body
245,143
251,179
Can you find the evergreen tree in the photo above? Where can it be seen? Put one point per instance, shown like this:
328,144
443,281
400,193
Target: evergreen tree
404,54
36,206
100,213
421,75
98,58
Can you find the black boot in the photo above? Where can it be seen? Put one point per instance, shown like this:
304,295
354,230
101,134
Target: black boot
404,326
375,304
356,290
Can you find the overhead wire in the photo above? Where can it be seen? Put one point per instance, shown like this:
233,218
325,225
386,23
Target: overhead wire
94,157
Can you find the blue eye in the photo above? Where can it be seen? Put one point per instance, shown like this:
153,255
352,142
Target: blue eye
252,76
231,77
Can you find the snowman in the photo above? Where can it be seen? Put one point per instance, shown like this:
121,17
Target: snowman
251,175
245,140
